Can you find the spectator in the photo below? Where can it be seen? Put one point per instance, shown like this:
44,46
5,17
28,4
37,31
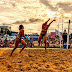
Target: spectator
53,46
31,40
6,42
28,37
41,42
64,36
47,43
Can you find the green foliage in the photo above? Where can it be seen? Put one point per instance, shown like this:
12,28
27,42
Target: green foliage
7,31
36,33
57,36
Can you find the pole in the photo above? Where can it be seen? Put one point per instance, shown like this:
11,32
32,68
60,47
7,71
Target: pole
59,35
62,24
68,34
58,26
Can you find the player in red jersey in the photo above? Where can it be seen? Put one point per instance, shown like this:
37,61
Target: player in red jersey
18,39
44,32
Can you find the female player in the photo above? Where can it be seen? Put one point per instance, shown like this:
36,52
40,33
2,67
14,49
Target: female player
18,39
43,33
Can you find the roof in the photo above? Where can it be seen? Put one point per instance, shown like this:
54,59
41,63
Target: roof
3,26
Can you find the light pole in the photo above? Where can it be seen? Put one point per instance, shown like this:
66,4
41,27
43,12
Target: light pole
58,26
62,24
68,34
59,35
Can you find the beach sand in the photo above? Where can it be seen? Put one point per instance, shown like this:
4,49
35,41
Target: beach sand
36,60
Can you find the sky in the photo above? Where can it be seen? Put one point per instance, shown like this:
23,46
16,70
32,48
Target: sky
33,13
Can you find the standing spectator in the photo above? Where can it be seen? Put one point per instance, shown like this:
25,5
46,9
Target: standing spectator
28,37
6,42
64,36
31,41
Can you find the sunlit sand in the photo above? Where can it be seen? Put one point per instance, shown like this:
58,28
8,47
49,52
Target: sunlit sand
36,60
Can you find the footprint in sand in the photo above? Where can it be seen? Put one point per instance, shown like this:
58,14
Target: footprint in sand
47,66
30,55
2,58
21,69
56,64
9,66
28,68
20,62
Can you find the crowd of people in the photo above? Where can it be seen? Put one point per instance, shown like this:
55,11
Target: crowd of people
56,42
10,43
50,42
6,43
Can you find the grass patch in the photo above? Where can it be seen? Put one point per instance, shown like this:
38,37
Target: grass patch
34,47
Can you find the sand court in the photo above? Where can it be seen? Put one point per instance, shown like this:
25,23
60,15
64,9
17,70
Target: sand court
36,60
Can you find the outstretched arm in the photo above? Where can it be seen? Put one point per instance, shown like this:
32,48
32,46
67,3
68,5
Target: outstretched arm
50,23
46,21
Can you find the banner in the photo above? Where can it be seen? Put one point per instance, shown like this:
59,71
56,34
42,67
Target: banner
52,35
58,33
